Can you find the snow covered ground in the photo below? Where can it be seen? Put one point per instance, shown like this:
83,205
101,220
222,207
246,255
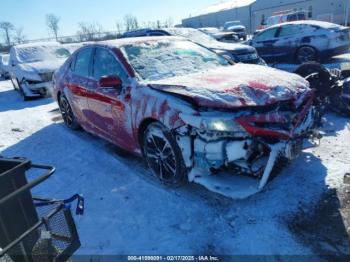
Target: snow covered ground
129,212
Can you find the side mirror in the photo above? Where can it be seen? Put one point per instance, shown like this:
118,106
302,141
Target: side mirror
110,81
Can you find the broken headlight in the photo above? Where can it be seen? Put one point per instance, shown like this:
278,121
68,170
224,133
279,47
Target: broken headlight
222,125
209,124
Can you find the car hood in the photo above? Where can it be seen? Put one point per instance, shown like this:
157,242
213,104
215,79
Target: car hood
230,47
236,27
235,86
42,66
223,34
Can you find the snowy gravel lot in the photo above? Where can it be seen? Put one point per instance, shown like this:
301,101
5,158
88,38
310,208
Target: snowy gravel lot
129,212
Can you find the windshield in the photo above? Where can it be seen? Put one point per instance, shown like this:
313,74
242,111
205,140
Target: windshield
41,53
163,59
193,34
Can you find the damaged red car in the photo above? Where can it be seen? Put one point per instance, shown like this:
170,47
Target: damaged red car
193,115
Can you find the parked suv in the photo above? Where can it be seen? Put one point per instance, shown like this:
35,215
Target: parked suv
239,53
302,41
236,27
32,66
189,112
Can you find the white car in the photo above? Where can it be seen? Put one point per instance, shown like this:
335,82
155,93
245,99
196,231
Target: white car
32,66
4,61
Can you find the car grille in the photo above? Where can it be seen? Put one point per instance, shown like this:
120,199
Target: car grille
279,123
46,77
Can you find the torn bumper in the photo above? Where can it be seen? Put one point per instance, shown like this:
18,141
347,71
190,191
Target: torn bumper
243,177
269,138
32,89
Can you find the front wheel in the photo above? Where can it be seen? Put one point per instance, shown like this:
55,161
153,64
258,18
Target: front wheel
67,114
306,54
163,155
21,91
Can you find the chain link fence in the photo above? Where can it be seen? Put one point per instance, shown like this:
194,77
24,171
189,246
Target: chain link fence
96,36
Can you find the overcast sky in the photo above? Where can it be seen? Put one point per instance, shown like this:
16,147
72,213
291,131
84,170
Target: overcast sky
30,14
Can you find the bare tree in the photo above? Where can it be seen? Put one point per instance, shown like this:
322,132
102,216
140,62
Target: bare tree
19,35
8,28
119,27
130,23
89,31
169,22
52,23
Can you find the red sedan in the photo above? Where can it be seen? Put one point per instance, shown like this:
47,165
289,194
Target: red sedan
189,112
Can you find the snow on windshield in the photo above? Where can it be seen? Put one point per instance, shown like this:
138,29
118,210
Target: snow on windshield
158,60
192,34
31,54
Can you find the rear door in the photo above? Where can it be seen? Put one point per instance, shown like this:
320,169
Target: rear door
265,42
78,81
109,106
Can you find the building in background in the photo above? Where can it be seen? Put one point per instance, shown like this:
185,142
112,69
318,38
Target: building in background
217,15
253,13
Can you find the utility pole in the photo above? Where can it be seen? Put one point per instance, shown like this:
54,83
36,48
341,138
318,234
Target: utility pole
347,12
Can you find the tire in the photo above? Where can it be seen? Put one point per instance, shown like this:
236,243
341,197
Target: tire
322,79
306,54
25,98
163,155
67,114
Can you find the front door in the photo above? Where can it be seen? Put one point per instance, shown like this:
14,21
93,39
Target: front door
265,44
110,106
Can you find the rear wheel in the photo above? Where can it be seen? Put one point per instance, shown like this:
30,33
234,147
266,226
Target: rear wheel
163,155
67,114
306,54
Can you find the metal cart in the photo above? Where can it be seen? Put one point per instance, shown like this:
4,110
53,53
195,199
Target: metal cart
34,229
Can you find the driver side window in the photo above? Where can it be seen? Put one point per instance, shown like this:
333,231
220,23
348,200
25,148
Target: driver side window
266,35
105,64
289,30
